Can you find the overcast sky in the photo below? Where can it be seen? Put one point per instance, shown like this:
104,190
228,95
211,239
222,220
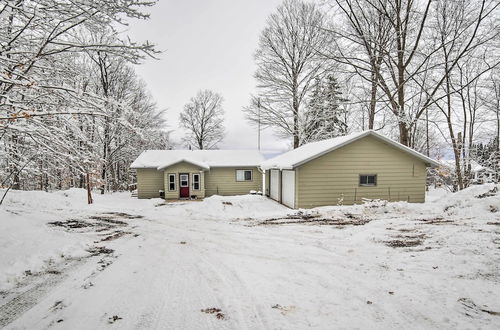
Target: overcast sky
207,45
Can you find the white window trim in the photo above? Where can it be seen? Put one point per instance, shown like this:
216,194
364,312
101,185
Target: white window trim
251,175
175,183
180,180
199,180
368,184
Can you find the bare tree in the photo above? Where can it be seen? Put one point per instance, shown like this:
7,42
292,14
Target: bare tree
288,59
362,44
203,118
51,102
411,48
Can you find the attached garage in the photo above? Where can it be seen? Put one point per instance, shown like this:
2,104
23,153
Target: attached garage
348,170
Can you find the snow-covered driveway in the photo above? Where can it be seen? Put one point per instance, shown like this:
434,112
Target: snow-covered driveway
243,263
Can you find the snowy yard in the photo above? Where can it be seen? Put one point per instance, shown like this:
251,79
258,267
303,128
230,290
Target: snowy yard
248,263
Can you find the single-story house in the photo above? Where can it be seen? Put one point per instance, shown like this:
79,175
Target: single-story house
345,170
175,174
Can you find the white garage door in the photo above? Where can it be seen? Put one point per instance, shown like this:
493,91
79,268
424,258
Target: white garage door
288,188
274,184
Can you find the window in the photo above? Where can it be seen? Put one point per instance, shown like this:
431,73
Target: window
367,179
183,178
243,175
171,182
196,182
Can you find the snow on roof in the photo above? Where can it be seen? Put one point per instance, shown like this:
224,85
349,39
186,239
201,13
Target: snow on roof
205,159
310,151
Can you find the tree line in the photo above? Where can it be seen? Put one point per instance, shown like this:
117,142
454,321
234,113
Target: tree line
73,113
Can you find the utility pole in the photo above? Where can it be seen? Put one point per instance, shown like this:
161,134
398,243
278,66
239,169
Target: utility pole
258,129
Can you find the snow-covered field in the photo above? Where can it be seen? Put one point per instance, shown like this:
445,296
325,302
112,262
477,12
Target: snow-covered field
248,263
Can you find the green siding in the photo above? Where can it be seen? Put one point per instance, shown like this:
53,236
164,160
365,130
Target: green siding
333,177
222,181
149,183
188,168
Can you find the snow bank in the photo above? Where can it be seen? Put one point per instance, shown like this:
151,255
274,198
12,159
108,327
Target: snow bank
468,203
229,208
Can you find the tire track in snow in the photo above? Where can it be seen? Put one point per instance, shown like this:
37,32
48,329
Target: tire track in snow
237,295
25,300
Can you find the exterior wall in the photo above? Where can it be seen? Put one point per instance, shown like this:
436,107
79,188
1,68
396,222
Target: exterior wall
183,167
222,181
334,177
149,182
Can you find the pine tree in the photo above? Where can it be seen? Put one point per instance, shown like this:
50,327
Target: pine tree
325,116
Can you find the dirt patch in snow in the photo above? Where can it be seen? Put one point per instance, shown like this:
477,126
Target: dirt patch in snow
217,311
97,223
124,215
98,250
407,230
114,318
107,224
101,222
108,219
117,234
72,224
284,309
321,221
435,221
316,219
404,241
489,193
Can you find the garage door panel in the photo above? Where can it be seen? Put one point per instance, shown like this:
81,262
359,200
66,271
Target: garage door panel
288,188
274,184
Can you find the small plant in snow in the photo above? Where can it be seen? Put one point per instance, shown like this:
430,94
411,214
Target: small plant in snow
340,201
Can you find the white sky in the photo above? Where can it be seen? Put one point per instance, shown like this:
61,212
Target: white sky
207,45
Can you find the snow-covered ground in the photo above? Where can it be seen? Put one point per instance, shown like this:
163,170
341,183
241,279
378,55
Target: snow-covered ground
248,263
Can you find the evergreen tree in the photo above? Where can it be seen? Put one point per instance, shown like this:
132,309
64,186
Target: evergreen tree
325,116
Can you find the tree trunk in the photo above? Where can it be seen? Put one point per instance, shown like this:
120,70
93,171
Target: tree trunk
89,191
404,134
373,101
105,156
295,109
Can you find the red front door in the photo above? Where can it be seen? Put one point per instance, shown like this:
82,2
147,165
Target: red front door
184,185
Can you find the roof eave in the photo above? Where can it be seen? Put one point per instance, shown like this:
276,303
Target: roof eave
144,167
203,166
425,159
